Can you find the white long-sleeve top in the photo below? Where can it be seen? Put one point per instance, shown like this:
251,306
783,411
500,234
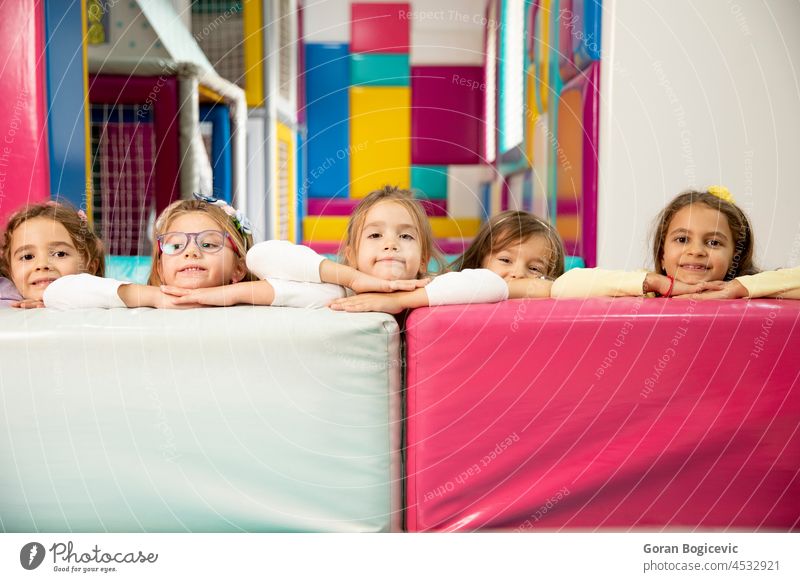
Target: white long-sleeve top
82,292
607,283
87,291
285,260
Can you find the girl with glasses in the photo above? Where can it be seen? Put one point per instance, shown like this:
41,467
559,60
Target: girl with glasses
198,243
385,256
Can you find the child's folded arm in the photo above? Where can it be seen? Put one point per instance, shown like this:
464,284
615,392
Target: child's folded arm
467,286
784,283
83,291
304,294
581,283
284,260
527,288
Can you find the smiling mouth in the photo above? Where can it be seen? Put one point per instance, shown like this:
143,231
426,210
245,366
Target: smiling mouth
391,260
695,268
42,282
193,270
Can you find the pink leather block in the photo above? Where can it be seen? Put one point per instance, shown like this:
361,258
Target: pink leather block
382,28
447,115
605,413
24,177
345,206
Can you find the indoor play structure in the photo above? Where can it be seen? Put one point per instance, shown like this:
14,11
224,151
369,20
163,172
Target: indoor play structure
606,414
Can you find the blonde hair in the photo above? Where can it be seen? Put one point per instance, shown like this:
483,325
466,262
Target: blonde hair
742,262
404,198
509,228
242,242
86,242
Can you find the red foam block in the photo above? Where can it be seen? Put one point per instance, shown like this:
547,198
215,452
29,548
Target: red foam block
382,28
447,115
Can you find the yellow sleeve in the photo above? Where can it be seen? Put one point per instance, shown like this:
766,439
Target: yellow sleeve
784,283
599,283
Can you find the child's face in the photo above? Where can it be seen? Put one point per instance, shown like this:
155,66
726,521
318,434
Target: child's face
389,243
194,269
524,259
698,246
41,252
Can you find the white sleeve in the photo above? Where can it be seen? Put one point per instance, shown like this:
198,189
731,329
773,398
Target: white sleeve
284,260
304,294
83,291
783,283
467,286
599,283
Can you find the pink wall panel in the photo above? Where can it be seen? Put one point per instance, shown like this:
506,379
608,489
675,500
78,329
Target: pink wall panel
447,115
24,174
382,28
604,413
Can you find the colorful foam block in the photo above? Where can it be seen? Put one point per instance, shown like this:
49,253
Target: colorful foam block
566,26
447,116
379,70
222,425
345,207
23,154
332,228
328,131
381,28
464,191
541,52
578,138
586,40
380,148
429,182
604,413
219,116
66,89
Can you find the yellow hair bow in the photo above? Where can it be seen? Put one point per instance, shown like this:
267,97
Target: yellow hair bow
722,193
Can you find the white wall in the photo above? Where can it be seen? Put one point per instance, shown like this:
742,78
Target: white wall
694,94
442,31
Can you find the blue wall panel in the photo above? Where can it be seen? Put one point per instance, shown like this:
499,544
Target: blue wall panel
66,113
221,156
328,120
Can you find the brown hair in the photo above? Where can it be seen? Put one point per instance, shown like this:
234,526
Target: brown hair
404,198
508,228
86,242
742,262
242,242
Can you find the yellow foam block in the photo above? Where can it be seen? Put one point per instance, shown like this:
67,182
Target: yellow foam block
380,138
531,115
284,213
332,228
253,46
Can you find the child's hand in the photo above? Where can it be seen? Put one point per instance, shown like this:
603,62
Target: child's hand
148,296
662,285
28,304
526,288
223,296
719,290
363,283
384,302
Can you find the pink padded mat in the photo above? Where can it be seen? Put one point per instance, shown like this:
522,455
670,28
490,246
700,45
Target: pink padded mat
604,414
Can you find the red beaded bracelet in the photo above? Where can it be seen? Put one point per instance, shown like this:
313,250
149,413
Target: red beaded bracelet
671,285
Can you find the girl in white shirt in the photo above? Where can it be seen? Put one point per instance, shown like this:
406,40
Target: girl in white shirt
43,243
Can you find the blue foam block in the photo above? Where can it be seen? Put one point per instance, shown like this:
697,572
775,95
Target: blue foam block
328,121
